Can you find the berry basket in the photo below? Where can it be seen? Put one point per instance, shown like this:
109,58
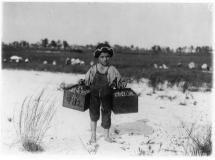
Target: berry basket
77,97
125,101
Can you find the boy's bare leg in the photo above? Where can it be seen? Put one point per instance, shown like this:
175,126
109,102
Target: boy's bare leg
93,125
107,135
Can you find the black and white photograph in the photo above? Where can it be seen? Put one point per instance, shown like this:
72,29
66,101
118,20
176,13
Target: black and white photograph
119,79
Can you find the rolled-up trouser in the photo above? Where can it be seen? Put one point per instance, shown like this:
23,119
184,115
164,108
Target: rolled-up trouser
105,101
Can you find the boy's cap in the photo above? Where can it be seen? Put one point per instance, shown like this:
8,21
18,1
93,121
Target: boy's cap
103,47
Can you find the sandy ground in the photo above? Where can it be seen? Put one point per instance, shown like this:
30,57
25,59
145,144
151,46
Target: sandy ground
155,130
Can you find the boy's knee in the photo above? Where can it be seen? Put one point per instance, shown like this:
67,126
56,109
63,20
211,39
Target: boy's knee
106,126
94,117
106,123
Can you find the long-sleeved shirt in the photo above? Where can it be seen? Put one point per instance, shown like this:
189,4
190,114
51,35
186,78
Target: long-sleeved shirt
112,75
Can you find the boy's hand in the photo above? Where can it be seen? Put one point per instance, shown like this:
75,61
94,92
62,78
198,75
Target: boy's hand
81,82
122,84
63,85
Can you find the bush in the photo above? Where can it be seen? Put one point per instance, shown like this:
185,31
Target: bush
155,79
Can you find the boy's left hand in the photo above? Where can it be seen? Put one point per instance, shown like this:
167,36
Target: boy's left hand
122,84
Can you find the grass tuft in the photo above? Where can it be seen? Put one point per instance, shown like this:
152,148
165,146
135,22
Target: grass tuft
34,120
199,144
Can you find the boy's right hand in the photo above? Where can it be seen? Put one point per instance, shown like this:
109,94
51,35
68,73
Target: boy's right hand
63,85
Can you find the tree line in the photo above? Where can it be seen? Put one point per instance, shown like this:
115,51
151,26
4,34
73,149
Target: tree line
47,44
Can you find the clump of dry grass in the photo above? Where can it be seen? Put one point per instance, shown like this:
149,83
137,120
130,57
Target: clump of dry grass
155,80
198,144
34,120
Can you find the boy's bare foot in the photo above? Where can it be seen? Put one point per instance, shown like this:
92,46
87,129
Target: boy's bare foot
108,139
92,139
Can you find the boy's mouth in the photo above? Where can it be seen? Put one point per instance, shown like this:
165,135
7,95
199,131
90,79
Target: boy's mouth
105,63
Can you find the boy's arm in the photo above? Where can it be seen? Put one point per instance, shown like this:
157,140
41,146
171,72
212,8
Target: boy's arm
63,85
114,75
89,76
69,85
87,81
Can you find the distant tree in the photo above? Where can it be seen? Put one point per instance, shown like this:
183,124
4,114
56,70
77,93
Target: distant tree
45,42
210,50
203,50
59,44
35,45
24,44
117,47
179,50
15,44
156,49
90,46
65,44
53,44
5,45
184,49
137,48
168,49
198,49
206,50
165,50
192,48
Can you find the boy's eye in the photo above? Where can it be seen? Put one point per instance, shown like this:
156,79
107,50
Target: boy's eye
105,56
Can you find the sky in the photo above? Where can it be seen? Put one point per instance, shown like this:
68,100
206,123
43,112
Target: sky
138,24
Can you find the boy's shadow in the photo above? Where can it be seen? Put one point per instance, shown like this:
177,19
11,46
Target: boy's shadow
138,127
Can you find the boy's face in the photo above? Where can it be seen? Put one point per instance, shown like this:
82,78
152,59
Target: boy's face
104,59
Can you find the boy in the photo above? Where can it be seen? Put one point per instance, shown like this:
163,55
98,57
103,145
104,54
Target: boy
100,78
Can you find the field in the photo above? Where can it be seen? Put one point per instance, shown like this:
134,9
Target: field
174,105
131,65
161,104
159,127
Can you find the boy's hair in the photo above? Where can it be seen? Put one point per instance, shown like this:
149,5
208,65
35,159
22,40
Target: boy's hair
103,47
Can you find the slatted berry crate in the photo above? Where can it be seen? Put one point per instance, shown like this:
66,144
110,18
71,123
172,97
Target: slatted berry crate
125,101
77,98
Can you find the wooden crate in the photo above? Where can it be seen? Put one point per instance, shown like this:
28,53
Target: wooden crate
125,101
75,100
